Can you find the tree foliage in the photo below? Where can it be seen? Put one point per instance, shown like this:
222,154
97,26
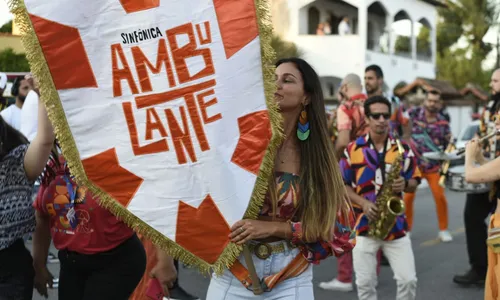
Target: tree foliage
284,49
468,21
13,62
403,43
7,27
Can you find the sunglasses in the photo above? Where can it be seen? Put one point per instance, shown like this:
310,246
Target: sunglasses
377,116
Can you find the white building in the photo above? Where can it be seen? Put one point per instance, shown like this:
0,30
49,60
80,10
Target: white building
334,56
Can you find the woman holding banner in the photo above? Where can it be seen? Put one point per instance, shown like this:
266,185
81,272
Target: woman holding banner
305,217
20,165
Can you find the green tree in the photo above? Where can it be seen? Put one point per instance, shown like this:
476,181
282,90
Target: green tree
424,41
467,20
13,62
402,44
284,49
7,27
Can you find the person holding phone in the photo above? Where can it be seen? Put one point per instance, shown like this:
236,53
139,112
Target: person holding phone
21,163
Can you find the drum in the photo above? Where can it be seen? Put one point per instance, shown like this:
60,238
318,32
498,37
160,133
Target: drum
456,182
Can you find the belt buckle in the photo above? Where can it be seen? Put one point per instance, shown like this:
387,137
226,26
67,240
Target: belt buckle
494,243
263,250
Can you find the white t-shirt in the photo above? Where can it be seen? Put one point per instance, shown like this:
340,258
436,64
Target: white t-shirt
12,115
344,28
29,116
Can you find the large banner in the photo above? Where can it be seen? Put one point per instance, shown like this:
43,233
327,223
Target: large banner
164,108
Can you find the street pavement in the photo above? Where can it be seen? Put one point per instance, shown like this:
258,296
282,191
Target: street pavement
436,262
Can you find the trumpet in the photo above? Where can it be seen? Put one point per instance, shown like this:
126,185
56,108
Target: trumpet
486,137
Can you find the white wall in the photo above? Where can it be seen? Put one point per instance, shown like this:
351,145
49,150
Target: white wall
339,55
416,9
397,69
460,117
327,54
325,8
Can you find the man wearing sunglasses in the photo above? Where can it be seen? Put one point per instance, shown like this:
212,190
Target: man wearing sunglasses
430,133
365,166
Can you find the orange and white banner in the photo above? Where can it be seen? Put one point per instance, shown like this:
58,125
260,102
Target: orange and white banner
164,108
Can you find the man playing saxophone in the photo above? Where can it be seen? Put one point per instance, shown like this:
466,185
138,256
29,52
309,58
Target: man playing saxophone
366,164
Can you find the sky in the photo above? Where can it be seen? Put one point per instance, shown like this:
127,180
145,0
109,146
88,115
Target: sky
402,28
4,12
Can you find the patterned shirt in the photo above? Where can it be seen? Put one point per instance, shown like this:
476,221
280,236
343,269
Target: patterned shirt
343,239
399,117
428,137
365,173
351,116
17,216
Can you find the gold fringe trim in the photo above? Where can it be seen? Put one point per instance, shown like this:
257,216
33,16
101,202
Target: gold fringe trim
50,98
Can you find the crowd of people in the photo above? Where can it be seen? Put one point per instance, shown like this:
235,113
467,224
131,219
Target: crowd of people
327,198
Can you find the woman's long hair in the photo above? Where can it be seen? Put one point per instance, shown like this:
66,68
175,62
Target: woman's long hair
10,138
322,193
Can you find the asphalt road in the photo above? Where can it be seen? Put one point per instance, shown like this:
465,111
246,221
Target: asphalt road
436,262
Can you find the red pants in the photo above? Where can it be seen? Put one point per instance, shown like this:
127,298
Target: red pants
345,268
439,198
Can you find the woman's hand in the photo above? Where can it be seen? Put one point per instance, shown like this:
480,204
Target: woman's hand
246,230
33,83
473,150
42,279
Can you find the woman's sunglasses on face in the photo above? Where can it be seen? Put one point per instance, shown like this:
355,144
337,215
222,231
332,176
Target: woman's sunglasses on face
376,116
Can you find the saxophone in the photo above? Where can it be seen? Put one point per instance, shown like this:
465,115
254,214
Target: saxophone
443,172
389,206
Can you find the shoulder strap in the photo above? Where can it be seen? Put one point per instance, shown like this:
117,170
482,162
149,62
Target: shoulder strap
296,267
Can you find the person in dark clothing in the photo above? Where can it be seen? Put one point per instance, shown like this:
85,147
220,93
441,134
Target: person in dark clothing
479,206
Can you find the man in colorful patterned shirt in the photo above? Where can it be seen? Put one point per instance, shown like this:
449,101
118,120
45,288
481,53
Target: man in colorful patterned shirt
365,166
430,133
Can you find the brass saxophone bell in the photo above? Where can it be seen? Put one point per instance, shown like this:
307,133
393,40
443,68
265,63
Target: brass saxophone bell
396,206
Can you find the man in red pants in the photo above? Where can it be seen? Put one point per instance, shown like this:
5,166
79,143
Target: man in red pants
351,124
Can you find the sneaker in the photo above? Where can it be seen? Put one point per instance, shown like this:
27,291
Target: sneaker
52,258
178,293
336,285
445,236
469,278
55,283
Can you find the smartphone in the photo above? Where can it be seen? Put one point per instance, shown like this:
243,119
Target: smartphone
155,291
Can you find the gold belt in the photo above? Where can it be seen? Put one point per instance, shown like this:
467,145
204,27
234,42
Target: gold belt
494,239
265,250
